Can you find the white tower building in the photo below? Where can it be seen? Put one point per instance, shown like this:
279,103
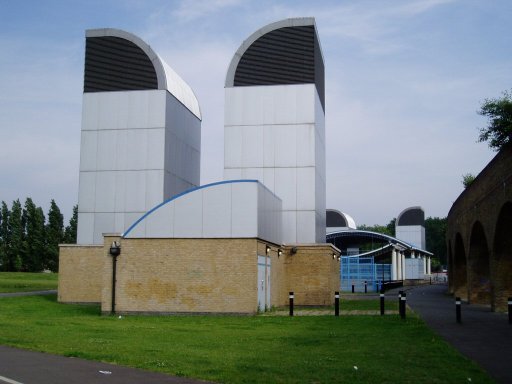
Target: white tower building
274,128
141,134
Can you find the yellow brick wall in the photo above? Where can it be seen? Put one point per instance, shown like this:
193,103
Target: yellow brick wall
195,275
183,275
311,273
80,273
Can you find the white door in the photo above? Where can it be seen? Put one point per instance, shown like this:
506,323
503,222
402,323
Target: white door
261,283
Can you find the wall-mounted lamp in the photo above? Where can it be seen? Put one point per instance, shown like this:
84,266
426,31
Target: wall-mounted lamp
339,258
267,250
279,253
293,250
333,256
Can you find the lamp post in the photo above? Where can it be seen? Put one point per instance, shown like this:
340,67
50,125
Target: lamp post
115,250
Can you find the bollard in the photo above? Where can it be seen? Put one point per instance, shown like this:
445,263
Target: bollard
510,310
403,301
382,302
336,303
291,303
457,310
352,288
400,302
365,287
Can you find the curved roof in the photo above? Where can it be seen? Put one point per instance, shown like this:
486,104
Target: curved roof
335,218
361,236
284,52
225,209
411,216
118,60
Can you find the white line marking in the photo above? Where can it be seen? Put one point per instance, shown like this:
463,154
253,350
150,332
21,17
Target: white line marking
10,381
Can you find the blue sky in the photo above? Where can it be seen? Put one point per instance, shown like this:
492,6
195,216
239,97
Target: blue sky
404,80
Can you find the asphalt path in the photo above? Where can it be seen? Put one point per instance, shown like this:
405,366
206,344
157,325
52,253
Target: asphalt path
26,367
483,336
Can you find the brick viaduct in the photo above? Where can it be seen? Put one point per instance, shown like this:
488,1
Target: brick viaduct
479,236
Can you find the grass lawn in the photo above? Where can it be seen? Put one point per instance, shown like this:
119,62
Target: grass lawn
230,349
25,282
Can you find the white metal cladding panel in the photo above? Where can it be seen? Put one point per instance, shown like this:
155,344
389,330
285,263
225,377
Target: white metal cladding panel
286,187
285,146
320,226
306,227
188,215
232,173
269,178
154,187
135,187
88,150
232,147
289,226
253,173
252,146
412,234
269,145
217,211
105,192
106,150
306,188
155,150
85,229
305,141
160,223
86,191
244,210
103,223
276,104
269,215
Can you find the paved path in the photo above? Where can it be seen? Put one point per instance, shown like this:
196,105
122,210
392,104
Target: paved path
483,336
26,367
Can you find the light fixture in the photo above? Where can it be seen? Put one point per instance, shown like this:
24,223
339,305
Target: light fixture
333,256
339,258
279,253
268,249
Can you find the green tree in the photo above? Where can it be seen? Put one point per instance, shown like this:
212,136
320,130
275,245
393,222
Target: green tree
54,235
376,228
435,237
499,127
15,254
34,239
70,231
467,179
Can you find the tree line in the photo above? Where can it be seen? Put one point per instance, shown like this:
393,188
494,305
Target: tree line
29,241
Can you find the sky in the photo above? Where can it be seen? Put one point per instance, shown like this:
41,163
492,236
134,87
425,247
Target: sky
404,81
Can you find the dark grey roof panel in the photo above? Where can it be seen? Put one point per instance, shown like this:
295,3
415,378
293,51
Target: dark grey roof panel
335,219
288,55
116,64
411,216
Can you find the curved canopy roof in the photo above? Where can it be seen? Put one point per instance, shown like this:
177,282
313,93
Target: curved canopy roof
353,238
411,216
116,60
335,218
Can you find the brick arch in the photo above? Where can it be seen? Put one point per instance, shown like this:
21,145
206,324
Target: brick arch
479,283
502,260
458,274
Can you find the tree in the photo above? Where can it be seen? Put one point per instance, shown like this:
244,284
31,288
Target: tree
15,251
435,237
467,179
54,235
70,231
34,239
4,221
499,114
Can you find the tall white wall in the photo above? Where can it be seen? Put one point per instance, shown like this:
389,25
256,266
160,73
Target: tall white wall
276,134
138,148
412,234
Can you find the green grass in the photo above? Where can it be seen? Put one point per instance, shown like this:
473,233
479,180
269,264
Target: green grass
25,282
229,349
